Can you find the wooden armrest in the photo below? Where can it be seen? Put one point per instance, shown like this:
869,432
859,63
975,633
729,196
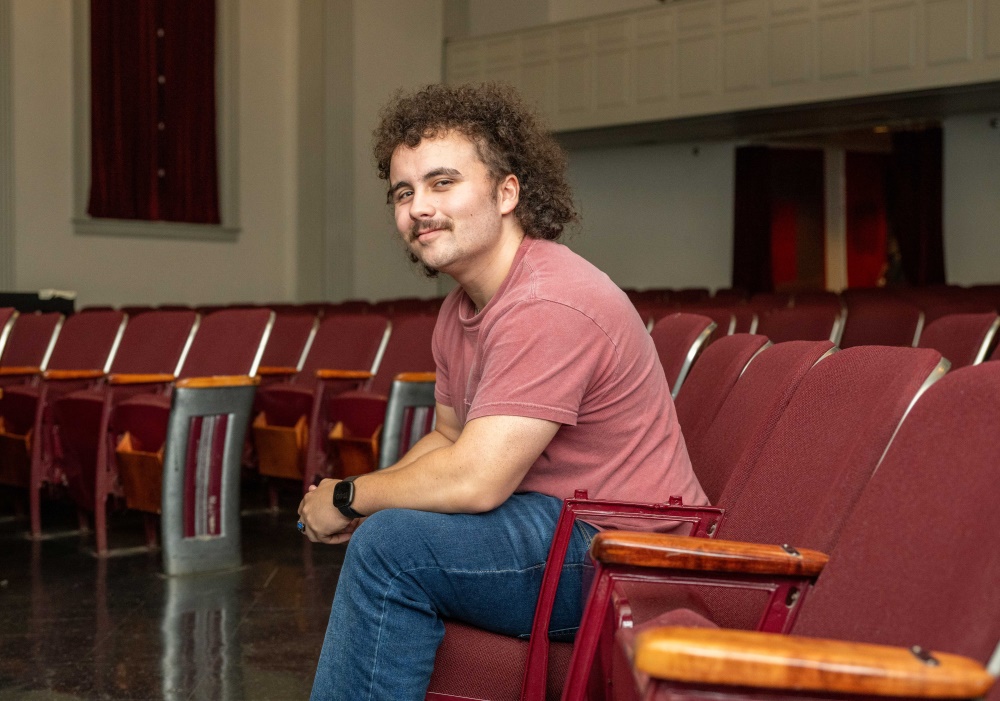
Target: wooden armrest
218,381
743,658
131,378
343,374
274,371
686,553
19,370
416,377
72,374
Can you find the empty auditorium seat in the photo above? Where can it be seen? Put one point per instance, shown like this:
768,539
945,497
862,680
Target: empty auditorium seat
80,358
288,345
28,347
347,349
359,413
926,503
679,338
881,321
750,412
8,315
710,381
152,351
227,344
964,339
802,323
801,489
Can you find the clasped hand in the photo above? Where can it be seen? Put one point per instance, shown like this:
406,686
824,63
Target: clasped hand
323,522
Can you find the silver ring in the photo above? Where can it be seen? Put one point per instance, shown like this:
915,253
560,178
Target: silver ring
301,526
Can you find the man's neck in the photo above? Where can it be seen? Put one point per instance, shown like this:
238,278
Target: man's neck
483,281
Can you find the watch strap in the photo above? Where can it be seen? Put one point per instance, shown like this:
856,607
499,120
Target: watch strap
346,508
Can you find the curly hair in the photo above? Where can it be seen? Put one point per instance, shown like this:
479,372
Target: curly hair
508,140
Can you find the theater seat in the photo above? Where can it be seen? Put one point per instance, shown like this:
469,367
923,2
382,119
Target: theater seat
152,348
927,503
679,338
964,339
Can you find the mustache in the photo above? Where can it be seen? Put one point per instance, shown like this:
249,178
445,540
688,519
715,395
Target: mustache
427,225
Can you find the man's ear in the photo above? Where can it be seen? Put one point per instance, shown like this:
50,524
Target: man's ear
509,192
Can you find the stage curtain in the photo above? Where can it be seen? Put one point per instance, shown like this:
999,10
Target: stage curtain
914,204
752,220
153,126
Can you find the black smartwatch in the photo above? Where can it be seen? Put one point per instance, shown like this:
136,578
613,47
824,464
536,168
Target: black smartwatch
343,497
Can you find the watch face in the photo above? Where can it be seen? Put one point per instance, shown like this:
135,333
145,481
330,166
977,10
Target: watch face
343,494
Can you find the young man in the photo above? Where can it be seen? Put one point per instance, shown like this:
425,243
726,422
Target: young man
547,382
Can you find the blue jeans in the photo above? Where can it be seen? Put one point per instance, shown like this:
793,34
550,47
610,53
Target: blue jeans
406,570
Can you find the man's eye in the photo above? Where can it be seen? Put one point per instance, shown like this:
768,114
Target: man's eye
442,183
402,195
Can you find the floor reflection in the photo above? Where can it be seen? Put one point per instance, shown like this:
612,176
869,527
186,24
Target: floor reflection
76,627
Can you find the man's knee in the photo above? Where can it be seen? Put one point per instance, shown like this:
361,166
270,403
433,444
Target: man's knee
387,538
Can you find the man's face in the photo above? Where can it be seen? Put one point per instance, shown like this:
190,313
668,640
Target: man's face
447,207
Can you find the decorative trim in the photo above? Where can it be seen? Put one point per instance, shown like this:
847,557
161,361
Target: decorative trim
6,150
227,82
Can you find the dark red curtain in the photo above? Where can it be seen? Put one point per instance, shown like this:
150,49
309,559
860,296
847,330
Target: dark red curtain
153,135
914,193
752,220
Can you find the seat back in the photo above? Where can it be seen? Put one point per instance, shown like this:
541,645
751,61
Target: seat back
228,342
826,446
409,415
31,340
964,339
344,342
806,323
725,320
290,341
748,415
917,562
408,350
154,343
679,338
710,382
7,317
88,341
879,321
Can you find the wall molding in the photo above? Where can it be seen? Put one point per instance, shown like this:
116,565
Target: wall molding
6,149
696,58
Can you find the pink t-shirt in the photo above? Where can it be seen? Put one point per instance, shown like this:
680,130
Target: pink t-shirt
559,341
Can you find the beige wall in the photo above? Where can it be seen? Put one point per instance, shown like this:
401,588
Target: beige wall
258,266
971,204
653,215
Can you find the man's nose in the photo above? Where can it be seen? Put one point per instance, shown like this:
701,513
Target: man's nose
421,205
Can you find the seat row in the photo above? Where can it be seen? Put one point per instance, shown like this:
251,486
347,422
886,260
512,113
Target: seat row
85,400
850,492
384,307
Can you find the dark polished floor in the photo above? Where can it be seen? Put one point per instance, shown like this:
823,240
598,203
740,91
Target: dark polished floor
73,626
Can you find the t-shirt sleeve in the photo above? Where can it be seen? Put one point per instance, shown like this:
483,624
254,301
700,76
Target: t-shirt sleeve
539,359
442,394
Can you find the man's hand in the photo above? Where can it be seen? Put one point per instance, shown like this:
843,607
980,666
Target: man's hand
324,523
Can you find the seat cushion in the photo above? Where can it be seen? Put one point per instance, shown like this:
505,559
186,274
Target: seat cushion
476,664
145,417
284,404
17,407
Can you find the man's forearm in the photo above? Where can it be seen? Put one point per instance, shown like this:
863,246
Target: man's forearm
429,443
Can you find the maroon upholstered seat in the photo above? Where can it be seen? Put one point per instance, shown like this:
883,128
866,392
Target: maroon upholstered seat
800,489
709,383
80,357
750,412
881,321
348,343
28,345
227,343
7,317
916,563
801,323
964,339
360,413
153,345
725,320
679,338
289,343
